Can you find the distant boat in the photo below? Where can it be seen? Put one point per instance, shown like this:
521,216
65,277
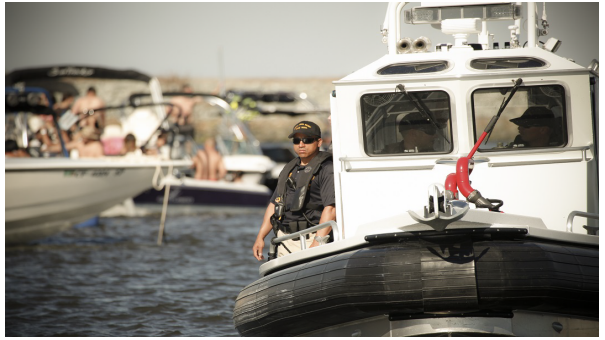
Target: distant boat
47,195
44,196
247,168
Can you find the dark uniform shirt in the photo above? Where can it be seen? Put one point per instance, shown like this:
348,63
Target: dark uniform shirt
321,193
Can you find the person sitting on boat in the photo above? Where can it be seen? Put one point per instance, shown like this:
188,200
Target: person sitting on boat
208,162
12,149
87,143
130,145
46,136
418,135
85,104
66,102
311,176
161,146
536,128
216,166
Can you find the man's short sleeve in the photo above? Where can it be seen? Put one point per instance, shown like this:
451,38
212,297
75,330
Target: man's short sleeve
326,181
273,197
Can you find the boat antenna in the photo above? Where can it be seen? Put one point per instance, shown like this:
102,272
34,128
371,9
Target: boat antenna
423,109
492,123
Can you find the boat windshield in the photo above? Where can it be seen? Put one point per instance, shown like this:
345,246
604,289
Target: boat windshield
234,137
393,125
534,118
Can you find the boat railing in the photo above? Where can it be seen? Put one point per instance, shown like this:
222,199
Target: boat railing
452,159
591,230
302,233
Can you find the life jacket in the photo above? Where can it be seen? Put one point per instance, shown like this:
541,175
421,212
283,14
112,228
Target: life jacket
303,183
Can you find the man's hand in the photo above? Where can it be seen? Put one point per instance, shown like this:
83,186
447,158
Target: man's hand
257,249
324,240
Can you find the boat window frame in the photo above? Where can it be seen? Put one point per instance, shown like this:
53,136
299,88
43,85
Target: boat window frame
543,67
449,63
451,124
564,117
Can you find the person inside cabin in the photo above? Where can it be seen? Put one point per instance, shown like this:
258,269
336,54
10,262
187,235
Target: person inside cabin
310,175
536,127
84,105
418,135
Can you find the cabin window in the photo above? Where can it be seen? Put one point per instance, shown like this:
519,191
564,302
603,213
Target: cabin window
414,68
395,123
506,63
534,117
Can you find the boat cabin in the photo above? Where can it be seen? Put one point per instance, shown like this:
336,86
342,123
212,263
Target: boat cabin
466,194
401,123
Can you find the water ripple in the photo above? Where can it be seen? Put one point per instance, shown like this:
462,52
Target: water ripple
114,280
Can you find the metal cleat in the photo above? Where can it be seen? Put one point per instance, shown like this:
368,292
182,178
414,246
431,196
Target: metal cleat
446,211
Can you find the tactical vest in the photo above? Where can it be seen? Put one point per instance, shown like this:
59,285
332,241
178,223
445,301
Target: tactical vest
297,203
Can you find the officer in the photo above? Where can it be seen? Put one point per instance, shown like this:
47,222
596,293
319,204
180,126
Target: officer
304,195
418,135
536,128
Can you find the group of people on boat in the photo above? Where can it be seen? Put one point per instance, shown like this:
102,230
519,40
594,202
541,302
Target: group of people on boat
86,122
82,137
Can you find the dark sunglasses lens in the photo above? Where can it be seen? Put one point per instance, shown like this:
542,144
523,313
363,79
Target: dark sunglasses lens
304,140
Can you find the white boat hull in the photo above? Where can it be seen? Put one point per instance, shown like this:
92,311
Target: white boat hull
46,196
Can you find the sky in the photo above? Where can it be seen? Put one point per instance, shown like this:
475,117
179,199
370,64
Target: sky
240,40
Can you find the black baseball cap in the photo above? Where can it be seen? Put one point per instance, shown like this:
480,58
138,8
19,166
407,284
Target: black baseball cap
307,128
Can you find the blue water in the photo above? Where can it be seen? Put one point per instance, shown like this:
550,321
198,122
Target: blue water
114,280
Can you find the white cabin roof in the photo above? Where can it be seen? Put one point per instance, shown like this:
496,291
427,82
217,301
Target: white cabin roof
459,64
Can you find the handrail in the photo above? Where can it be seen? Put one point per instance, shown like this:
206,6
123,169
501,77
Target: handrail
417,157
581,214
477,160
455,157
518,151
303,244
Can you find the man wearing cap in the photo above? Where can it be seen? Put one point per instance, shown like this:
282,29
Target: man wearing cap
418,135
304,195
536,127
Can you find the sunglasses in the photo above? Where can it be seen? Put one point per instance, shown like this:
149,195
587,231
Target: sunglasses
306,140
530,125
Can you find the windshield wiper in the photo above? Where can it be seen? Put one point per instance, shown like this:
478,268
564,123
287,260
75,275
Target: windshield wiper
423,109
490,127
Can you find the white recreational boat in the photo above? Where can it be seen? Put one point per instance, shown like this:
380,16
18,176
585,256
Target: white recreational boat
47,195
247,168
419,249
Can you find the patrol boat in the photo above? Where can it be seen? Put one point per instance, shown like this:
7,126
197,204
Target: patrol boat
505,239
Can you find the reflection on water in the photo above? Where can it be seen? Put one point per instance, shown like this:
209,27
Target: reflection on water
114,280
